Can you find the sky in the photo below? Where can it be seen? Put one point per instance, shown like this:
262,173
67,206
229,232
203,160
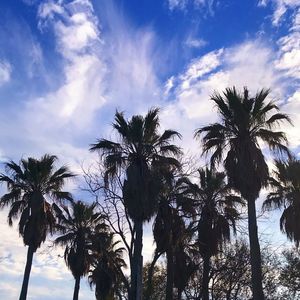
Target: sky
66,66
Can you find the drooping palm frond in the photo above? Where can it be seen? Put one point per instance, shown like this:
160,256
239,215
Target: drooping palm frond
285,194
78,223
106,269
216,204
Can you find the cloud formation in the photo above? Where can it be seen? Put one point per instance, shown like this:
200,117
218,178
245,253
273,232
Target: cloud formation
198,4
281,8
5,72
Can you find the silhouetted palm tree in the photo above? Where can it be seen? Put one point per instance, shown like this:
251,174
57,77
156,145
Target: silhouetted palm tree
244,122
78,223
169,230
33,188
285,194
141,152
107,263
215,203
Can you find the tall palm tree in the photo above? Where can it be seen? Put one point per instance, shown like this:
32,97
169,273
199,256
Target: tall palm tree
141,152
216,209
34,186
285,194
245,121
78,224
107,262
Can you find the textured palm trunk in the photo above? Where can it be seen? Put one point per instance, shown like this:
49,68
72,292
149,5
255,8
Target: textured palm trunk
23,294
205,278
255,256
76,288
170,274
179,294
137,264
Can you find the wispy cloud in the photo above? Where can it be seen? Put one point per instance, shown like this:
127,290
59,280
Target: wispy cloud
196,43
52,121
281,7
216,71
289,45
197,4
5,72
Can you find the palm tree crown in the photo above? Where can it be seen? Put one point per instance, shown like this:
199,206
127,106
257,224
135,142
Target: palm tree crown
216,206
79,223
107,263
244,122
33,188
285,194
141,152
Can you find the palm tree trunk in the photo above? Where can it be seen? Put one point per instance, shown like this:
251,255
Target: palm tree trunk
179,294
24,289
255,256
205,279
170,274
76,288
137,264
150,275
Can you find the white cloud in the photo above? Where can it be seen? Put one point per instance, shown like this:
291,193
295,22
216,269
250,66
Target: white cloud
169,85
5,72
50,9
54,119
178,4
281,7
216,71
182,4
133,58
289,60
200,67
195,43
292,107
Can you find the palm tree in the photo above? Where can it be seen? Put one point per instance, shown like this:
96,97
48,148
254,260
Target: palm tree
285,194
142,153
78,224
34,185
169,230
245,121
107,263
215,203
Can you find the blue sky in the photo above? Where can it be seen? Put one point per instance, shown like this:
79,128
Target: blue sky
65,66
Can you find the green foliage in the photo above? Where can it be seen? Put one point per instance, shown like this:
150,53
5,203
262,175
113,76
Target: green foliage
158,286
290,273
